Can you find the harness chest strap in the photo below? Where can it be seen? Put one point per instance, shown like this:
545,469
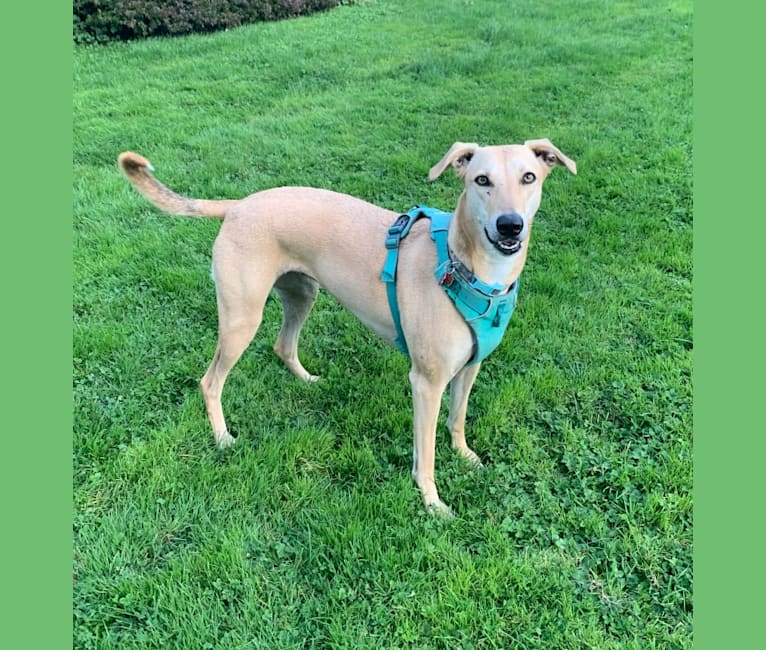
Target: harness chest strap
486,308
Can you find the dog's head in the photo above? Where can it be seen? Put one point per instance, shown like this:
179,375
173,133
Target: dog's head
503,186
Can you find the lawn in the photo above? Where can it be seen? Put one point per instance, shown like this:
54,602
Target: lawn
309,532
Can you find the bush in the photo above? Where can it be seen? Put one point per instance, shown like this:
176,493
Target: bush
99,21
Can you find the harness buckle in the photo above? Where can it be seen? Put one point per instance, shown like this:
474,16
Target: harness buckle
399,225
397,231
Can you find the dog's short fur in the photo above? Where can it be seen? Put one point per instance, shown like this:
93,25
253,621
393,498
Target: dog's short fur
293,239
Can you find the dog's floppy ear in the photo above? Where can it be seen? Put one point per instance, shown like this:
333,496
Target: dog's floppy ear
459,155
550,154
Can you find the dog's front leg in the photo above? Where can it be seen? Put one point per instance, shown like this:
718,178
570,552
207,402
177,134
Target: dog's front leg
426,397
460,389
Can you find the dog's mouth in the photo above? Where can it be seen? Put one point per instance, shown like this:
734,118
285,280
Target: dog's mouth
505,246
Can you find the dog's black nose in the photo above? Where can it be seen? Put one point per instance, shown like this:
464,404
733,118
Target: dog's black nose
510,225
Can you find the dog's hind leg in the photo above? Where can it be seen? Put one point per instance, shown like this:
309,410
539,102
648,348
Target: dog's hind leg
240,308
460,388
233,339
297,293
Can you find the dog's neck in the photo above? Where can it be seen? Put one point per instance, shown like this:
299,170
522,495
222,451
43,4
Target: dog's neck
471,248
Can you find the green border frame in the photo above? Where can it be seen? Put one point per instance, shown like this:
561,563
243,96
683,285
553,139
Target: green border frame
729,236
37,393
36,475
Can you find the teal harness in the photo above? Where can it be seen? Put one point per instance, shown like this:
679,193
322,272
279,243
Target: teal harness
486,308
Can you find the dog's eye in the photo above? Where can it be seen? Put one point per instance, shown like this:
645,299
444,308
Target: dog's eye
528,178
482,180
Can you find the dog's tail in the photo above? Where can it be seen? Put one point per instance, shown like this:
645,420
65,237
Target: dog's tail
136,168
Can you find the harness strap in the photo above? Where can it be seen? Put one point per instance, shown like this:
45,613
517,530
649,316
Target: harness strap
396,233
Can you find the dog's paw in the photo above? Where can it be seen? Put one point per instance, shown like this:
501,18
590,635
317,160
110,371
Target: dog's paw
304,375
224,439
471,456
439,509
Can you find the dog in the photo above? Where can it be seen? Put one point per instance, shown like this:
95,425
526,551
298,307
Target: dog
294,239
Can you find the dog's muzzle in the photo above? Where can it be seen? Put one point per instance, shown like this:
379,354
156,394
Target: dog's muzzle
509,228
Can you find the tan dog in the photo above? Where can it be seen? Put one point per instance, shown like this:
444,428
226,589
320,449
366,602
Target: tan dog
293,239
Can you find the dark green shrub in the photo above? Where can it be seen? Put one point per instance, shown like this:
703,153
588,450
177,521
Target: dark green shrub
99,21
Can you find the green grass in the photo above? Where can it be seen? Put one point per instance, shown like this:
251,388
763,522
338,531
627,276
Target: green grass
309,533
